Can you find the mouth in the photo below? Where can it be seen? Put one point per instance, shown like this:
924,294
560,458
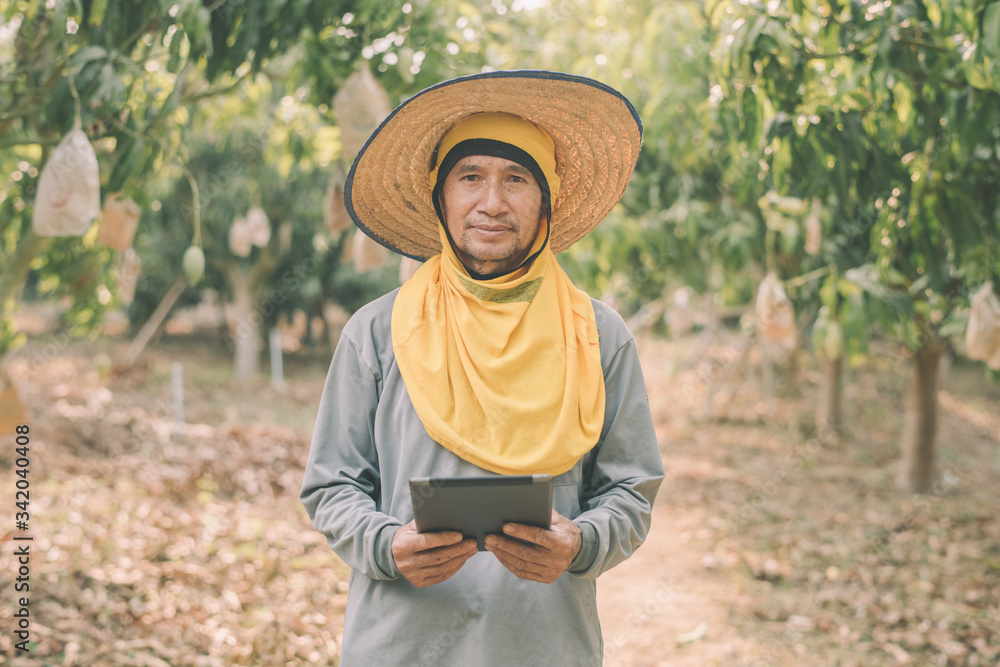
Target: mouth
490,229
490,232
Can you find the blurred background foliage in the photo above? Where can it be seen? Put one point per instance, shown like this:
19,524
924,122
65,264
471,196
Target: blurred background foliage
851,148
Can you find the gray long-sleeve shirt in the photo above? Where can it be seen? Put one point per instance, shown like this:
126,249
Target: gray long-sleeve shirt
368,442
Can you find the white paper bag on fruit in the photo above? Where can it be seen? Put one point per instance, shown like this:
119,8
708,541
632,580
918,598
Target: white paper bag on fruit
258,226
119,220
982,338
360,105
775,317
69,188
240,238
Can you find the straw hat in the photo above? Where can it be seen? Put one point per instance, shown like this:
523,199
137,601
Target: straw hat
596,132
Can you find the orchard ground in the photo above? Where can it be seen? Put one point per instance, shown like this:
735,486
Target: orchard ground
158,545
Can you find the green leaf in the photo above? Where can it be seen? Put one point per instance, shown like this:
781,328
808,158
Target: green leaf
974,68
93,52
174,60
828,293
868,278
110,88
903,101
97,11
854,322
989,38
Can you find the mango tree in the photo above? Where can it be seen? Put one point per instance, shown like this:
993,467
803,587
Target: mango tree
131,73
886,114
122,70
255,174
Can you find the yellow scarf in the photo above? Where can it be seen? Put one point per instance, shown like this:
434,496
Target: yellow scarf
505,373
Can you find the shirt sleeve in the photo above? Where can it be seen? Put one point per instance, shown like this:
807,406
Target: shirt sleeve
341,487
623,472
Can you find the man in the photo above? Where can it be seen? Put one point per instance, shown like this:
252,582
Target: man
488,360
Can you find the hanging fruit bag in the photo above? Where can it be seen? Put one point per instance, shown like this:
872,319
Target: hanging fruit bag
258,227
982,338
775,317
360,105
119,219
69,188
240,238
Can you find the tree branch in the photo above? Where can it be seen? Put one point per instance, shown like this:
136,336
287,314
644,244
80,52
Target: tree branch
924,45
8,120
16,268
155,320
845,53
212,92
29,141
923,76
218,3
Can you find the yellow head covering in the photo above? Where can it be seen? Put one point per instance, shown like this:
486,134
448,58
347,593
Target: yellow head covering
507,129
505,372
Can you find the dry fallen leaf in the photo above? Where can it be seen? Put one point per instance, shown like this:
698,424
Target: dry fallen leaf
699,633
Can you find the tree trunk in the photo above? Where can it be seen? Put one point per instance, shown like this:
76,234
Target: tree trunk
917,470
246,337
155,321
14,271
12,412
767,376
830,407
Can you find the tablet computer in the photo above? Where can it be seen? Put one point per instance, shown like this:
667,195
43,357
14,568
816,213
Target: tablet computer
480,506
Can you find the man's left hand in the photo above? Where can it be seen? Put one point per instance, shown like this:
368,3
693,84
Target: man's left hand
547,554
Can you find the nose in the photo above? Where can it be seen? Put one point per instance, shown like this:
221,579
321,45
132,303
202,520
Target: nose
492,202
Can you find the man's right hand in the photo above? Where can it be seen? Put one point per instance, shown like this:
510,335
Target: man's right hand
426,559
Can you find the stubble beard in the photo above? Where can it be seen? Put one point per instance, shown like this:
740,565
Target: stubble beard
502,250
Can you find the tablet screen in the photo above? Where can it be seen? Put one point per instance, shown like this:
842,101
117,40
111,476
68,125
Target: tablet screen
479,506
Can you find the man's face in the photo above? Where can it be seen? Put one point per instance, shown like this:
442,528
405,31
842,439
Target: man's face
493,209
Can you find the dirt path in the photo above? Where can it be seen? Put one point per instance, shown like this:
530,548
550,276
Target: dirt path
667,605
664,606
647,602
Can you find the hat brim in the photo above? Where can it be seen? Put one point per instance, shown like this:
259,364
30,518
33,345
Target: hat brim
596,131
